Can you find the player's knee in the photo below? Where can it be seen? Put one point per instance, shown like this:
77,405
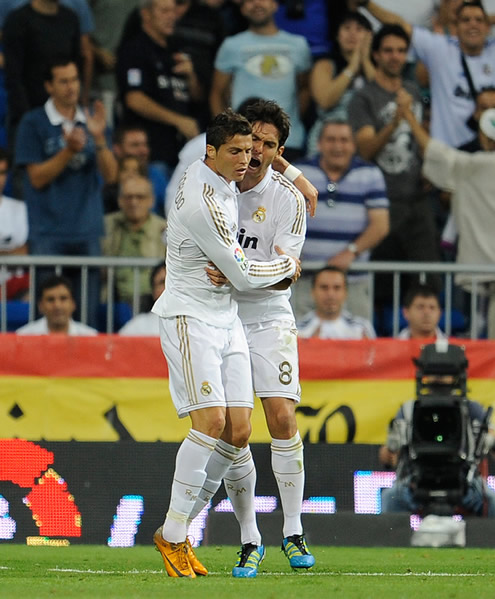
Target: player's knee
240,436
216,425
282,424
211,422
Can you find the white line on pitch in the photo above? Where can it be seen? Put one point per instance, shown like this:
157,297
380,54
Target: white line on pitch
383,574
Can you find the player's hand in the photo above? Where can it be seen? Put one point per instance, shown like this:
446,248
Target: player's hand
297,274
217,278
309,192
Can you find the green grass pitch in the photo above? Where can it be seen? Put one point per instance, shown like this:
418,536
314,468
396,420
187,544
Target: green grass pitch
340,572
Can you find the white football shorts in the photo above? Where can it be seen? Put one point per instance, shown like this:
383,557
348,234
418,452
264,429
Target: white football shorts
274,358
208,366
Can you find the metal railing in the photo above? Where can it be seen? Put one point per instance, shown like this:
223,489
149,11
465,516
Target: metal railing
473,272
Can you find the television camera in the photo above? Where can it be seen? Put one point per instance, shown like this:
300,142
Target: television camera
442,443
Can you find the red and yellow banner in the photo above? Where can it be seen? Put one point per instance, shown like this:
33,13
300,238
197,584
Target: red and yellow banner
91,389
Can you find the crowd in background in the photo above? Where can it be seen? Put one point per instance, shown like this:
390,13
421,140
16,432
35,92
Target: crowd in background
100,100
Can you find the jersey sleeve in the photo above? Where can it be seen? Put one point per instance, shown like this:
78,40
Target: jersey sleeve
440,164
291,228
212,231
426,44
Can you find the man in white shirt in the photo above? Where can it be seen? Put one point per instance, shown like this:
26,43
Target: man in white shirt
57,305
422,311
146,323
469,179
329,320
201,334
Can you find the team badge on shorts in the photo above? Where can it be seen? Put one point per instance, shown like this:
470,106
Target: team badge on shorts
205,388
260,215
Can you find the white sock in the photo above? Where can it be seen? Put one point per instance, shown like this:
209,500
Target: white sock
240,483
219,463
189,477
288,469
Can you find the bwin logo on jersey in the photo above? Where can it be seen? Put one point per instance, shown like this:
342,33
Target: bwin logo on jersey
246,241
259,215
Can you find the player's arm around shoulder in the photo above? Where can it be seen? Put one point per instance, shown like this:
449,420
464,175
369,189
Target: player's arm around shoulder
290,229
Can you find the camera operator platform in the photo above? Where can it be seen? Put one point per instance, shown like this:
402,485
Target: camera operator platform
437,442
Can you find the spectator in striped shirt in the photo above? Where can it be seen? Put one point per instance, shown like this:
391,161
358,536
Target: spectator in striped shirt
352,214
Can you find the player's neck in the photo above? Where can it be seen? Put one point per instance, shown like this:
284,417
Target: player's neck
211,165
250,181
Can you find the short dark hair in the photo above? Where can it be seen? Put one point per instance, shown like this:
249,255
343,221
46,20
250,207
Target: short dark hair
329,268
224,126
466,3
54,281
268,111
385,31
335,121
420,290
58,61
124,128
356,17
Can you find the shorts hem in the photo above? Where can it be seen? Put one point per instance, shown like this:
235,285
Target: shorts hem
183,412
268,394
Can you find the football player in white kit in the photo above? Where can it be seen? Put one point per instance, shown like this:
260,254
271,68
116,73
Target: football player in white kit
271,213
201,334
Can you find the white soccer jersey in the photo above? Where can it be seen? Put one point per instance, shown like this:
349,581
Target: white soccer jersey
202,227
346,326
40,327
271,213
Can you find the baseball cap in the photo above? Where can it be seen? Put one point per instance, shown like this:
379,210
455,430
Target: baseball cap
487,123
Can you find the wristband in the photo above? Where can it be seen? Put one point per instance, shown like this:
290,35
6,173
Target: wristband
99,147
291,173
349,74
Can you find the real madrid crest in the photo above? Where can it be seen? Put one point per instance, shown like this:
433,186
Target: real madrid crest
205,388
260,215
